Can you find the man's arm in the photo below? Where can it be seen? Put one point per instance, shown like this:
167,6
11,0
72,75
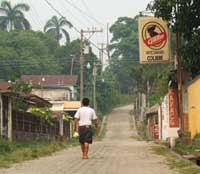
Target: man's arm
75,125
95,122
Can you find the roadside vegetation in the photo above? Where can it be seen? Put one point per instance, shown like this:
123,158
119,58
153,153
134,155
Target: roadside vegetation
176,162
17,152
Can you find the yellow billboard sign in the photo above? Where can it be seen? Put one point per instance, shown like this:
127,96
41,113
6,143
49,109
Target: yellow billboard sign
153,40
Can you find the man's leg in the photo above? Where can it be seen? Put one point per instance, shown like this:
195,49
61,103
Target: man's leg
83,148
86,149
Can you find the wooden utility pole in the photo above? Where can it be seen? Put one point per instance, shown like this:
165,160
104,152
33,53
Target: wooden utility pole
179,72
94,85
82,57
108,42
103,47
72,65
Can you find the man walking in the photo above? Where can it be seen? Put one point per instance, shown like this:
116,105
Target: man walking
83,120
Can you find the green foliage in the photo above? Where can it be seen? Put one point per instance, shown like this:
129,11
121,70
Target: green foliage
131,76
6,147
55,28
44,113
186,21
26,53
12,17
67,117
22,87
16,152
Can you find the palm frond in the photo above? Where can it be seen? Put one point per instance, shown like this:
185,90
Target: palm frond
3,10
26,24
18,13
63,21
6,5
4,23
21,7
49,25
67,37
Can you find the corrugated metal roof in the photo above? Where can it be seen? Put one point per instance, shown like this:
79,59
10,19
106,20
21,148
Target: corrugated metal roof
153,109
50,80
4,85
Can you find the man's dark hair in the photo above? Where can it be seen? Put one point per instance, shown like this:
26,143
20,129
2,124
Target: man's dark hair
85,102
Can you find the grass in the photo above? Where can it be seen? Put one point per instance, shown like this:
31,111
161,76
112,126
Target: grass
176,162
17,152
102,132
186,149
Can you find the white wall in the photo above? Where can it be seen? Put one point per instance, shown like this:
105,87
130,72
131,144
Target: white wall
53,94
167,132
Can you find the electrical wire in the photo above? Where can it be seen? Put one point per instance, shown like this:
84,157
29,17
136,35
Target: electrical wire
83,12
35,11
76,29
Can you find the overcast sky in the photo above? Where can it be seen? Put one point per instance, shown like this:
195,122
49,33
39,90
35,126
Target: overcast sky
83,13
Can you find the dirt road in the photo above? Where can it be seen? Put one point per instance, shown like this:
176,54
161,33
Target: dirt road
118,153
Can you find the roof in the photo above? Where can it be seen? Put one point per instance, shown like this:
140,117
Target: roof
72,105
153,109
5,85
30,99
50,80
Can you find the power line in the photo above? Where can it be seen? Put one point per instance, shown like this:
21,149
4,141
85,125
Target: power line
82,12
63,4
76,29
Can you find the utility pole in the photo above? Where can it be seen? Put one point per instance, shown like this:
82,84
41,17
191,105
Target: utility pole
94,85
179,72
103,47
108,42
72,65
82,57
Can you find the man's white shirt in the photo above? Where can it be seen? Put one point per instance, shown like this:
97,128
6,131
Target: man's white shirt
85,115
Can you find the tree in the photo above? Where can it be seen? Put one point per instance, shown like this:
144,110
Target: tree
12,18
55,27
131,76
183,17
27,53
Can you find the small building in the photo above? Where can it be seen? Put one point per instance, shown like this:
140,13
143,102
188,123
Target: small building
193,92
169,116
14,122
152,115
53,87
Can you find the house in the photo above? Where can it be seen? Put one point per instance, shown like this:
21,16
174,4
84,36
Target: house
10,123
170,123
53,87
162,119
152,116
194,106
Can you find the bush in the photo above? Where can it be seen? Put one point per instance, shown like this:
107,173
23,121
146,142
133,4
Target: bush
6,147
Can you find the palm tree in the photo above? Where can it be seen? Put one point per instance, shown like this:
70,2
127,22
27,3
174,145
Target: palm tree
55,27
12,17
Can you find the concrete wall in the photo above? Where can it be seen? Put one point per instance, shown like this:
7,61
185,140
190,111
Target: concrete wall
194,107
53,94
167,132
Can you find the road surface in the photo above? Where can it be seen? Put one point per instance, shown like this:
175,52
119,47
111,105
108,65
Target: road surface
118,153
